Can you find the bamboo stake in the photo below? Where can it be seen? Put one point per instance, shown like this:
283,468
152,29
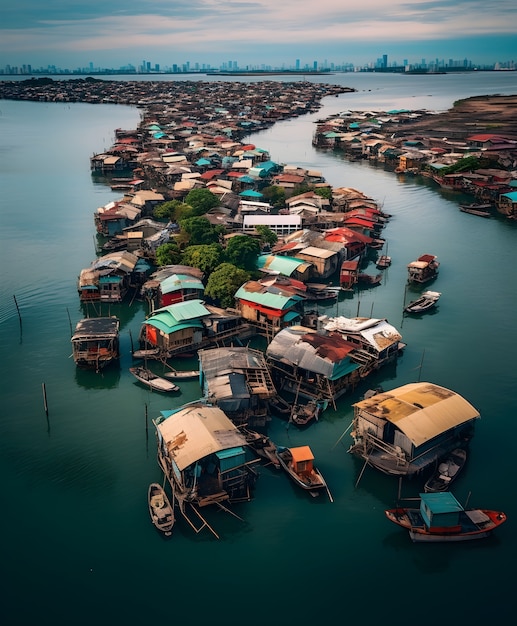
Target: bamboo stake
18,309
45,405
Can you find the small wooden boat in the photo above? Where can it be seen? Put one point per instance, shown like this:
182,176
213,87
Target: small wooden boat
160,509
298,463
447,471
303,414
183,374
279,406
262,445
152,380
383,262
424,303
152,353
441,518
481,209
369,279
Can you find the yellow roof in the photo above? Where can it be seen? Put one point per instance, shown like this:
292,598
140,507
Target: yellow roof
197,431
421,411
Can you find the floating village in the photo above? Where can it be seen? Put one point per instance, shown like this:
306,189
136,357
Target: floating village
223,245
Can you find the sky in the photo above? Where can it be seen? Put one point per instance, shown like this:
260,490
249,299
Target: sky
117,33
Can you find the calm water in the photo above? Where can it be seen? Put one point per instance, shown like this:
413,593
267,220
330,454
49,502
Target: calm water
77,543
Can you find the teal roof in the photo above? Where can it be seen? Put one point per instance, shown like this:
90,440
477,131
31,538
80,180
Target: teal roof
250,193
272,299
177,282
286,265
177,316
512,196
441,502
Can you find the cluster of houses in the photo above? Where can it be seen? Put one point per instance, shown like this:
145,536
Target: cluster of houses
381,137
203,446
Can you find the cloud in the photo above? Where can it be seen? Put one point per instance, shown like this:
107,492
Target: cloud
200,27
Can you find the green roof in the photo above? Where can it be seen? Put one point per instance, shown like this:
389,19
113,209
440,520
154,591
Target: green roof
286,265
177,316
268,299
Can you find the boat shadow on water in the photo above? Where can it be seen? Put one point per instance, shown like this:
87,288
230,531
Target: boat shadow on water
107,378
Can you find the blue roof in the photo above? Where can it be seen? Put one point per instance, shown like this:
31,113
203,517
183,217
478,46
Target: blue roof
177,282
512,196
250,193
177,316
286,265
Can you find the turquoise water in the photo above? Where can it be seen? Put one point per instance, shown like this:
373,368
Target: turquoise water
77,543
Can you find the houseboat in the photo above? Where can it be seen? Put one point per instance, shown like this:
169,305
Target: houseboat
408,429
204,456
424,269
95,342
108,278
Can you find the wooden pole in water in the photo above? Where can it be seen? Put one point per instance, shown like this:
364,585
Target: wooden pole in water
131,339
358,305
45,405
69,321
146,424
18,309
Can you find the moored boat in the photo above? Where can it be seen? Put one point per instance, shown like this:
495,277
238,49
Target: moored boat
303,414
424,269
183,374
262,445
383,262
160,509
152,380
424,303
95,342
480,209
299,464
441,518
447,471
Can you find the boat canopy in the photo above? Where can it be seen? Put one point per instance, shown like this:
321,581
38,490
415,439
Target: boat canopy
196,431
421,411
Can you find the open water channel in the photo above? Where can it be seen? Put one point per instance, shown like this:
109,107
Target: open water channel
77,543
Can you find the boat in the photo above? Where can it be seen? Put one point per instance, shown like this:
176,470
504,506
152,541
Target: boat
424,303
441,518
447,471
481,209
160,509
262,445
152,353
383,262
183,374
303,414
298,463
424,269
152,380
95,342
312,295
369,279
279,406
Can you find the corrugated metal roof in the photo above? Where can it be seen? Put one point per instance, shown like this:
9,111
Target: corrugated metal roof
421,411
284,264
274,299
176,282
187,314
196,431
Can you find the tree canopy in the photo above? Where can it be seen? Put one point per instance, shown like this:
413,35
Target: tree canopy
242,251
168,254
198,230
204,257
266,235
223,283
201,200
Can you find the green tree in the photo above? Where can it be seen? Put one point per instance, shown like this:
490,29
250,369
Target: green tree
168,254
165,210
223,283
266,235
324,192
243,251
275,195
201,200
198,230
173,210
204,257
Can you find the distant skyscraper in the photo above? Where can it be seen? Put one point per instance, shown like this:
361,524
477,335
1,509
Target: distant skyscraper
384,60
297,64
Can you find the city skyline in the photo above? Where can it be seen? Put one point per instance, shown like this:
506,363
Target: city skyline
257,33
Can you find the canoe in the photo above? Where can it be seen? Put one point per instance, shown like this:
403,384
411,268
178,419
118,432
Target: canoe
152,380
424,303
160,509
183,374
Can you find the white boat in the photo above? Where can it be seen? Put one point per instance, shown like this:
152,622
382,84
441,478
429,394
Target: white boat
447,471
160,509
152,380
183,374
425,302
